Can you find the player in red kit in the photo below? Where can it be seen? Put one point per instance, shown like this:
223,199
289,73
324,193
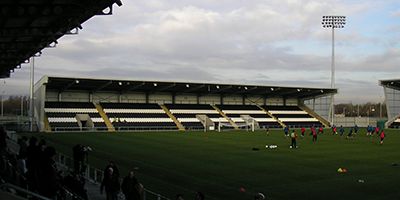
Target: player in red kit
303,130
382,136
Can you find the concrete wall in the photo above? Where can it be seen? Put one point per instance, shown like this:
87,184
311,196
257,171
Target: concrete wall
104,97
186,99
274,101
291,102
351,121
210,99
139,97
251,100
233,100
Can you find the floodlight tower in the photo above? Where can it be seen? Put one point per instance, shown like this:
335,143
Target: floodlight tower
333,22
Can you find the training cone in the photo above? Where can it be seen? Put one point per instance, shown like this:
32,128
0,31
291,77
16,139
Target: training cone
344,170
340,170
241,189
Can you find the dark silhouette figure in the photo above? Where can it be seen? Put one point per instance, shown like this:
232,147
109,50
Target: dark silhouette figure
199,196
3,140
110,184
48,180
131,188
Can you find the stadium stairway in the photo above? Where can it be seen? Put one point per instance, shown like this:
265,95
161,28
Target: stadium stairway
272,116
226,117
178,124
103,115
315,115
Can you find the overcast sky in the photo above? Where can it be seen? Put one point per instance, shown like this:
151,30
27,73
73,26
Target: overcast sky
267,42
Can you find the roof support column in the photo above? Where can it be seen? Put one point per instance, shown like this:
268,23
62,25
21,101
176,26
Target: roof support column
198,98
147,97
244,100
265,100
59,96
173,97
221,99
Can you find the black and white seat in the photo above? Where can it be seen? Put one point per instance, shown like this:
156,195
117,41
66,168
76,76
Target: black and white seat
293,116
237,112
186,114
138,116
65,115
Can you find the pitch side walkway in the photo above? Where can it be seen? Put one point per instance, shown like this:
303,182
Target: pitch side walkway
93,191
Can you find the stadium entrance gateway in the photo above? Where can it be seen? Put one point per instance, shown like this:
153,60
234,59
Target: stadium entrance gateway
77,104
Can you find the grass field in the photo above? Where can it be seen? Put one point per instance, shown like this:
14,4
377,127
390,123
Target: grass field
219,164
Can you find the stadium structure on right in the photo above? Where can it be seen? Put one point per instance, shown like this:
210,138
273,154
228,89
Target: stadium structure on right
392,99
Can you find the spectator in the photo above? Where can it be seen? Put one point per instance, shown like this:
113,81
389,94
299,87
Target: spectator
113,166
22,146
78,155
259,196
179,197
110,184
48,180
131,188
76,183
3,139
199,196
32,162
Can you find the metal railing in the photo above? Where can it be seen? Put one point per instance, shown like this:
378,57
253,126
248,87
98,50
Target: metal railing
121,129
95,176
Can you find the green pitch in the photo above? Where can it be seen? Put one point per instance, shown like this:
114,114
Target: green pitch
219,164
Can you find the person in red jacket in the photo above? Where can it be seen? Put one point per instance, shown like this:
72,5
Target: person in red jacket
320,130
303,130
377,130
334,130
314,134
382,136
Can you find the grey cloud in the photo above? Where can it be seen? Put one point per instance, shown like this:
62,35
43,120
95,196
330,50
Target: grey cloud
215,41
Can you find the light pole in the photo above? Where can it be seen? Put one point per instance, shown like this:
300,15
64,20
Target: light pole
2,98
333,22
31,97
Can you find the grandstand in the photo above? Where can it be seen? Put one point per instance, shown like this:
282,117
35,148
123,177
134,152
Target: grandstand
27,27
392,99
71,104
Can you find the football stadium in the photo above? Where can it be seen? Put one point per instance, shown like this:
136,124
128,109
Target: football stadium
98,138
